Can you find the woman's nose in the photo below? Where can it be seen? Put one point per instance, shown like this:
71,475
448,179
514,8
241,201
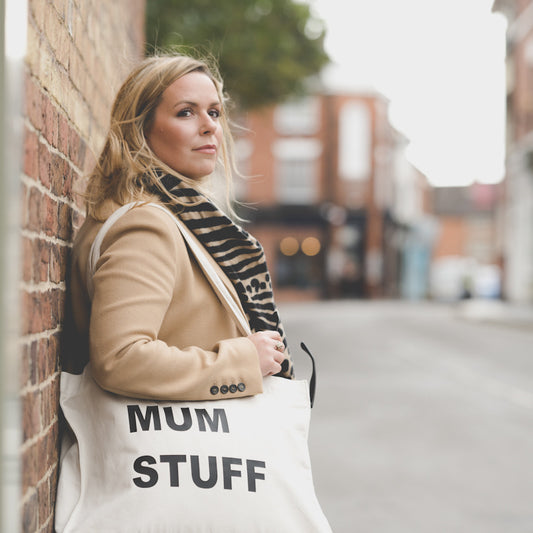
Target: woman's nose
208,124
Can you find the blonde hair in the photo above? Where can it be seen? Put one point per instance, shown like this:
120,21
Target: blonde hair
126,169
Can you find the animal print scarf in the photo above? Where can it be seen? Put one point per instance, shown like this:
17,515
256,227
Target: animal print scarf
240,256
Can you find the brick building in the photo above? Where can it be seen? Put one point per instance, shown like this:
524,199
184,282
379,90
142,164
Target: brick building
324,180
465,259
517,207
468,225
77,54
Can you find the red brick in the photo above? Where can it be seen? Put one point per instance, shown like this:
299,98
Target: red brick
49,527
50,129
30,474
50,222
41,311
77,149
34,103
44,165
30,514
68,174
46,305
48,450
46,501
43,260
73,146
43,499
39,457
61,300
31,414
34,362
53,491
82,153
27,260
31,314
51,305
31,151
23,205
49,402
63,134
57,174
55,346
41,360
25,366
58,263
34,210
57,301
46,360
36,260
53,355
65,222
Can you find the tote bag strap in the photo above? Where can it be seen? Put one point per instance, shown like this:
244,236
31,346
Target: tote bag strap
94,253
199,253
210,272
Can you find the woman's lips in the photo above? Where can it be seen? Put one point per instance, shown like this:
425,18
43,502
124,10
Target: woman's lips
207,149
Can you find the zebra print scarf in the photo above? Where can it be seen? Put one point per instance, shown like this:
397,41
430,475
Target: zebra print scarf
239,255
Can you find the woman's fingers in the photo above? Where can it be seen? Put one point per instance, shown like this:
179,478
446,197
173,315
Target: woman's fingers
272,334
275,370
279,357
270,349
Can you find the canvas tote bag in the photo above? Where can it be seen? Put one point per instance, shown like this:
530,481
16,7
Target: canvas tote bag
239,465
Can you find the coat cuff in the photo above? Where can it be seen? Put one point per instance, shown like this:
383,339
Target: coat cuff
243,377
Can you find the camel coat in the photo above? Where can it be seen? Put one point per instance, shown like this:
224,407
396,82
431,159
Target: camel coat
156,328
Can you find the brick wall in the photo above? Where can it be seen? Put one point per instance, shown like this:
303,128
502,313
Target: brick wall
78,53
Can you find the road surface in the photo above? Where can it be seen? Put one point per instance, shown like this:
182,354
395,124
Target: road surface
423,421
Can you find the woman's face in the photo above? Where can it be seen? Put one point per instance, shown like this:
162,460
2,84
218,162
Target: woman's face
186,132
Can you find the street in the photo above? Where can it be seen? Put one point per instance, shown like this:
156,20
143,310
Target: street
423,421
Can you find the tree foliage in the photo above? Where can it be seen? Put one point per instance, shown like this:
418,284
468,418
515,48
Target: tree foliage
265,49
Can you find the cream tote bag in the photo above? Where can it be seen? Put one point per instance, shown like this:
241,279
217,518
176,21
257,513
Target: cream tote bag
235,465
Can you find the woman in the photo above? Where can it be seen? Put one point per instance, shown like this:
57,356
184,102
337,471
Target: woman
156,330
154,326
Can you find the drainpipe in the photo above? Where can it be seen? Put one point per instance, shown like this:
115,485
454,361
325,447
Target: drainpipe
13,29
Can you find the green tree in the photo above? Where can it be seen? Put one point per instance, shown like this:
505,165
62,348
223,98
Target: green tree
265,49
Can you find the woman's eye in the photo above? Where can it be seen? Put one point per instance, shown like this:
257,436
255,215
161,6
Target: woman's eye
185,113
215,113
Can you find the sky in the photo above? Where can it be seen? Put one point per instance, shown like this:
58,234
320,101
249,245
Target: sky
442,66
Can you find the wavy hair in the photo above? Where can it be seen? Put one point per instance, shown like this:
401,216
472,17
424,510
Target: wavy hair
127,169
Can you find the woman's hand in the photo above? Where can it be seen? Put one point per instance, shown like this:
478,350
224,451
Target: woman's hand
271,351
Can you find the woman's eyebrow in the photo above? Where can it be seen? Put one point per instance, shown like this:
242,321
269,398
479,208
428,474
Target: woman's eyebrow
195,104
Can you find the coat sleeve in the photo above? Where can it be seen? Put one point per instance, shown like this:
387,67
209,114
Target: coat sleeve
142,258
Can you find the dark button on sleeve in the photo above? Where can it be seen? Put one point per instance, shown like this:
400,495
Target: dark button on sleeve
224,389
214,390
233,388
241,387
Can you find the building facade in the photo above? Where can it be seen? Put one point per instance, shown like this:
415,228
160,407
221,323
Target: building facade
517,206
466,252
323,188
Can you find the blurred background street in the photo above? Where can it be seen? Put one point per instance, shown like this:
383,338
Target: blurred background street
423,416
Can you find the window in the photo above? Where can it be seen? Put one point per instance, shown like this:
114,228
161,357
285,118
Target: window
298,117
296,179
297,166
355,138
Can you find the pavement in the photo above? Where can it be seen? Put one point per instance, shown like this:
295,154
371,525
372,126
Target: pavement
423,419
497,312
